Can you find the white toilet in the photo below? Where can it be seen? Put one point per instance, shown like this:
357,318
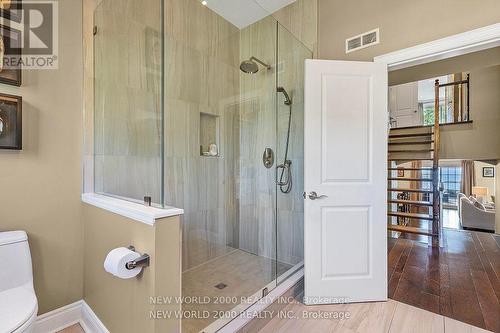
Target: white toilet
18,303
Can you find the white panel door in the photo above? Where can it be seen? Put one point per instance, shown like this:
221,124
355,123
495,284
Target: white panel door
346,166
404,105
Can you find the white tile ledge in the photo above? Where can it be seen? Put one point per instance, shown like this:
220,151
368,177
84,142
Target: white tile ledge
132,210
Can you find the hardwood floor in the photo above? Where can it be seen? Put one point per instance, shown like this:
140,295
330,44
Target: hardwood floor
460,280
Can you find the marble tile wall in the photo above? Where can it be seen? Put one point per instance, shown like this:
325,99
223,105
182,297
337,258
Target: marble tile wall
202,76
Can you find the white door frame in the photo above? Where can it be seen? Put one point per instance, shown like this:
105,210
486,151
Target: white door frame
455,45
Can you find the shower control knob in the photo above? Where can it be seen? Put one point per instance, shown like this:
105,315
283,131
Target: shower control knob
268,158
314,196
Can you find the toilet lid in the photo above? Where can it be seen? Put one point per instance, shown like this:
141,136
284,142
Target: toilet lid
17,306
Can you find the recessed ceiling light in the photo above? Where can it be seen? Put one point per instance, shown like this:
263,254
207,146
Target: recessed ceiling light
204,2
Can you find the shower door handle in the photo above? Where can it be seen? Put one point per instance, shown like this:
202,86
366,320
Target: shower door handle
314,196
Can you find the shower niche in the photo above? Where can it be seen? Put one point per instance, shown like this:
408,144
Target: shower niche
209,135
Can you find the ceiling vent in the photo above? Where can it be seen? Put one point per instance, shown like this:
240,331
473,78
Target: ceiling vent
361,41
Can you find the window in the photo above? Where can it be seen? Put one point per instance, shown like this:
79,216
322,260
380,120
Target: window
451,109
428,112
451,178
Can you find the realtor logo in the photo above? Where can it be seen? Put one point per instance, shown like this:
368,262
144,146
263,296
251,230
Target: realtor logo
29,32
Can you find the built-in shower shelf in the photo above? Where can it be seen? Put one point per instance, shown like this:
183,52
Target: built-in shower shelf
211,156
209,135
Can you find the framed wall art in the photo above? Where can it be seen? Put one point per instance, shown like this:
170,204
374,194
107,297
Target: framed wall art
10,54
11,10
488,172
11,122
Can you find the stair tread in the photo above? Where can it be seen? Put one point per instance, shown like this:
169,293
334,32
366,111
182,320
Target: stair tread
409,135
412,150
411,179
411,159
411,169
408,190
413,126
411,215
411,142
412,230
410,202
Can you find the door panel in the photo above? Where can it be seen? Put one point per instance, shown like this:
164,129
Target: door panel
335,129
345,160
404,104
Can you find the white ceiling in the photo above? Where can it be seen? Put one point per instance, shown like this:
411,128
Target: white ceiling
242,13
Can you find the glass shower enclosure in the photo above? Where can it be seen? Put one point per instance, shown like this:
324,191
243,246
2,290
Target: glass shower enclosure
201,109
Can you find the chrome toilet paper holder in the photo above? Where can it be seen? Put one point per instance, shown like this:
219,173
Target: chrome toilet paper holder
142,261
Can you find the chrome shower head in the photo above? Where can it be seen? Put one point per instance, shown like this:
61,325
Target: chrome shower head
250,66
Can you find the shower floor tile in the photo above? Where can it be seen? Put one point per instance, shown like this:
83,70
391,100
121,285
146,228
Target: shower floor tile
243,273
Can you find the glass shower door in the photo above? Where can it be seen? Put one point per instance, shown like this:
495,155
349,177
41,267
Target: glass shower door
219,120
290,151
128,114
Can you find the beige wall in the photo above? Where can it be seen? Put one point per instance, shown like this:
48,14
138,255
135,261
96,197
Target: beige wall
479,140
124,305
40,185
402,23
497,206
487,182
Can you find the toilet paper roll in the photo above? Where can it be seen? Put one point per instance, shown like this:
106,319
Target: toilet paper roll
115,263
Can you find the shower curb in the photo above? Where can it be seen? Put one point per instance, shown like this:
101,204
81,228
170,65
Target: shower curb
254,320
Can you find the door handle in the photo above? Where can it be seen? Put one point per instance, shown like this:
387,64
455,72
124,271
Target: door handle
314,196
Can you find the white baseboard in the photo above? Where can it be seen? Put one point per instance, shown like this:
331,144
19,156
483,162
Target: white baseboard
78,312
90,322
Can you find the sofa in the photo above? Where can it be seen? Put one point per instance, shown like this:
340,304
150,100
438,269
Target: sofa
474,214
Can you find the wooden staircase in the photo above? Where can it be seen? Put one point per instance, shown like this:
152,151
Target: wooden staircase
413,179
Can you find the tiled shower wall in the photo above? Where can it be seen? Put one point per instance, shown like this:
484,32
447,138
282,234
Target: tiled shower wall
229,201
202,76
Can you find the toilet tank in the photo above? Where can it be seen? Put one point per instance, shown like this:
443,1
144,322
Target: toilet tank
15,258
